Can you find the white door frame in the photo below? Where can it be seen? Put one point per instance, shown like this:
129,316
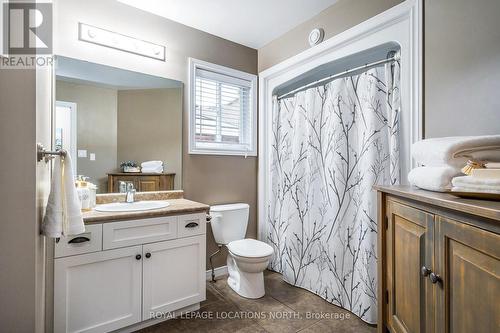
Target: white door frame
400,24
74,129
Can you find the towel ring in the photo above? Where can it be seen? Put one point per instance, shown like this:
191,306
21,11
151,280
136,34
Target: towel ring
47,155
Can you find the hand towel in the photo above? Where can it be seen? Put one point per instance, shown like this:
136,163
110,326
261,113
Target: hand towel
63,214
433,178
151,164
456,151
475,190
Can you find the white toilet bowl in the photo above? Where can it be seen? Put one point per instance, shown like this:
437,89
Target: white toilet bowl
246,262
247,258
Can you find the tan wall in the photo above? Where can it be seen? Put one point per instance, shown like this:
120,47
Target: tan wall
150,128
462,67
208,179
339,17
17,201
97,128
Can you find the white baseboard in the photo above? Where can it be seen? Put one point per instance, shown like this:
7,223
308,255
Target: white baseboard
219,271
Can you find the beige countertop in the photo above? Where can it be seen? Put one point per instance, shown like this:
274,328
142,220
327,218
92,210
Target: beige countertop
178,205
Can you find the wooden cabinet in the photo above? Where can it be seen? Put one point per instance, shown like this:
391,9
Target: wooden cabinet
142,269
439,263
143,182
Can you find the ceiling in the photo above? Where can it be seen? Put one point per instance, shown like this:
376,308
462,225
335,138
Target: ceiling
253,23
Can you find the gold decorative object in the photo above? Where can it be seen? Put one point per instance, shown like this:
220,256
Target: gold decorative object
471,165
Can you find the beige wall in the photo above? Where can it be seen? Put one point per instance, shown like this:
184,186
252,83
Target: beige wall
337,18
462,67
208,179
96,128
150,128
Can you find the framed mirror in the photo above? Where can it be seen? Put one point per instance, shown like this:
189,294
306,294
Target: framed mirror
120,127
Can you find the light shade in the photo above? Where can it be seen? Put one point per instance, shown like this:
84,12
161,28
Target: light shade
121,42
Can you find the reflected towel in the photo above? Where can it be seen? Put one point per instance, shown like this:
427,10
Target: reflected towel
63,215
433,178
151,164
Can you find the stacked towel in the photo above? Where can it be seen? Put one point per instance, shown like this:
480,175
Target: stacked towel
474,184
63,215
442,159
152,167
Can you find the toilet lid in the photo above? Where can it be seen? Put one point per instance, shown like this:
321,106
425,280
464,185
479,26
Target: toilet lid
250,248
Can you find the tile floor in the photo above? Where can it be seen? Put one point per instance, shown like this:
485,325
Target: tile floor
283,309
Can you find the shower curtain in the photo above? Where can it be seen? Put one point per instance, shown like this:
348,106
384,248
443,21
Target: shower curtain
330,145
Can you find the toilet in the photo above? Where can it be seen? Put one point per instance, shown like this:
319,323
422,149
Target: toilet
247,258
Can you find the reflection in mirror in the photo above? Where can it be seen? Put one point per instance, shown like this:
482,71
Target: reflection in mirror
121,128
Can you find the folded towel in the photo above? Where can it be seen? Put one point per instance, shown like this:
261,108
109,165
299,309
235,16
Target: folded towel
151,164
475,182
152,169
474,190
433,178
63,215
456,151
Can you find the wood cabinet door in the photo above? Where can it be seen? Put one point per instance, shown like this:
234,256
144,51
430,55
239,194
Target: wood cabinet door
410,236
468,261
173,275
148,183
98,292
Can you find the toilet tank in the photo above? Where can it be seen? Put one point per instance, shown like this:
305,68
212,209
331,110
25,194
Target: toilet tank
229,222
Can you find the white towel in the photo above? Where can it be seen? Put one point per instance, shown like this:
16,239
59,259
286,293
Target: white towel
63,215
456,151
151,164
476,184
152,169
433,178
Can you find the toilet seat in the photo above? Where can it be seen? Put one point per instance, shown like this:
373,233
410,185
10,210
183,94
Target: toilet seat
250,248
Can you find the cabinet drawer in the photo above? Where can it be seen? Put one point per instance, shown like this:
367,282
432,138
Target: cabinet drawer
89,241
128,233
191,224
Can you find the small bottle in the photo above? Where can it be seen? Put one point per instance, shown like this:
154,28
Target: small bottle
83,191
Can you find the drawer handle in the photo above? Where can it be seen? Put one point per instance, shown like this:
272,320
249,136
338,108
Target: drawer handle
80,239
209,218
138,257
148,255
191,225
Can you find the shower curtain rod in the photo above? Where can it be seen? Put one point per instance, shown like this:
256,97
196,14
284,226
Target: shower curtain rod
331,77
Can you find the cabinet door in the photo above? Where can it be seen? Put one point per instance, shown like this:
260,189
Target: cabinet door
148,183
97,292
173,275
468,261
409,248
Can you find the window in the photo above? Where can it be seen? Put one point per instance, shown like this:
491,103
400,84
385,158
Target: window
223,117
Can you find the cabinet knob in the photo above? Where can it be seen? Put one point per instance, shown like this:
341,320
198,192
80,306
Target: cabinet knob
148,255
425,271
435,278
138,257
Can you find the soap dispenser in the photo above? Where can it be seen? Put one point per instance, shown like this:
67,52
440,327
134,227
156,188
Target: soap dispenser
83,190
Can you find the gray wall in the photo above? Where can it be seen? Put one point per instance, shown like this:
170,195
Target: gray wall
339,17
96,128
150,128
462,67
208,179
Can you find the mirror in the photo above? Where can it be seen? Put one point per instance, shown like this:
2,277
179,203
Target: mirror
119,127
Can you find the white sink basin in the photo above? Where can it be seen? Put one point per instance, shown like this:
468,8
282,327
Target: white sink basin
131,207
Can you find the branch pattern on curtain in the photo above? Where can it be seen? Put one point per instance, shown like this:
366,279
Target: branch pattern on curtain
330,145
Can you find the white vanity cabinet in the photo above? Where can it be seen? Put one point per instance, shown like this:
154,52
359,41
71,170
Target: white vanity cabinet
114,287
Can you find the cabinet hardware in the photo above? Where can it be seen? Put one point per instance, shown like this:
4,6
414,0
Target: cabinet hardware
435,278
138,257
80,239
387,296
191,225
148,255
425,271
386,221
209,218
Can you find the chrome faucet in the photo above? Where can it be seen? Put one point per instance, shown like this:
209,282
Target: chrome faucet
130,193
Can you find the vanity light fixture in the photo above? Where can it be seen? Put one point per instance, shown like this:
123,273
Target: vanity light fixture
103,37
